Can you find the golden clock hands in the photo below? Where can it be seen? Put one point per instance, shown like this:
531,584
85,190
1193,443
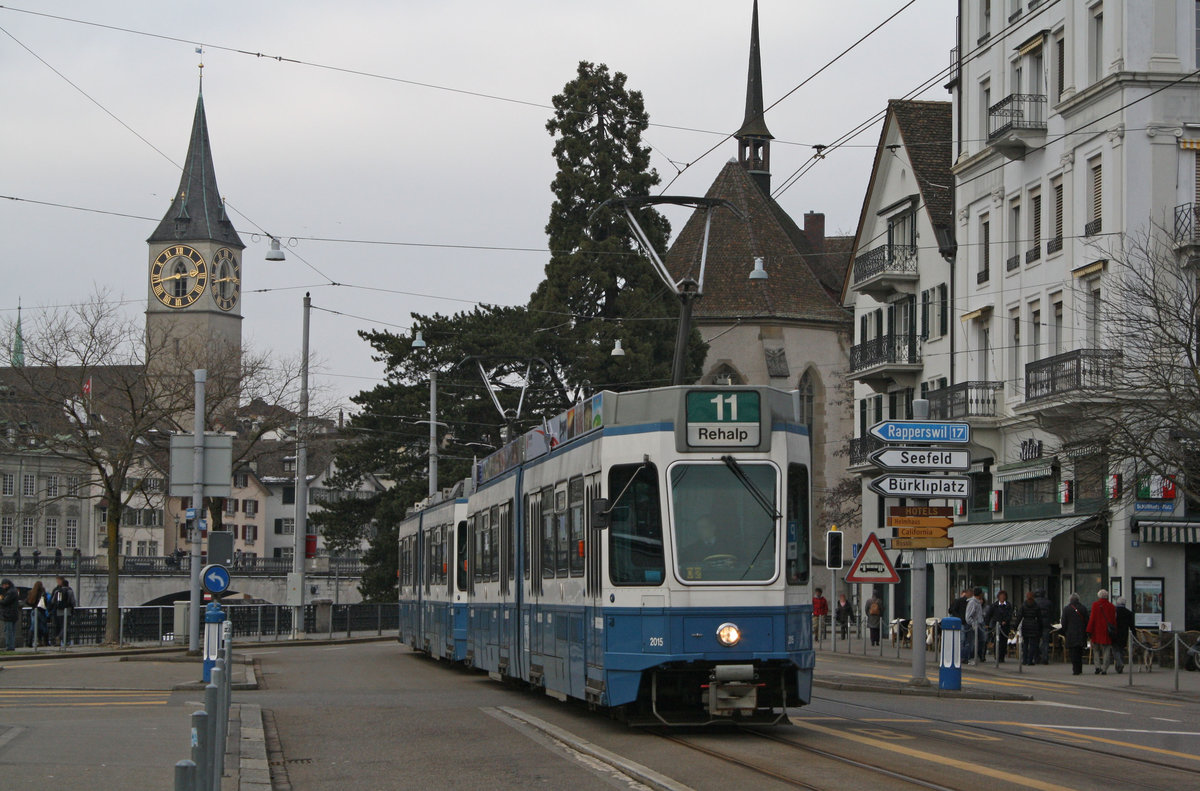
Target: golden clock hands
178,275
230,279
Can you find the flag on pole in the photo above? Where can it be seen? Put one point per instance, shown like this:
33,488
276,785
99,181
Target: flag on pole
87,386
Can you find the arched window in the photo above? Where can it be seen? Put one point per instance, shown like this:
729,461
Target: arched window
181,285
806,401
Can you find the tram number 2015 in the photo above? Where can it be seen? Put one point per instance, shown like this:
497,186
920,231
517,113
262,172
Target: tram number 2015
656,642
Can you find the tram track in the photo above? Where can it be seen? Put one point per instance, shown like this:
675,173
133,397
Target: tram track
793,781
1045,736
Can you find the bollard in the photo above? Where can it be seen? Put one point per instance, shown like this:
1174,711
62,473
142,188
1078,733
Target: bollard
950,659
1129,653
200,748
220,725
1175,647
121,627
213,618
1020,653
185,776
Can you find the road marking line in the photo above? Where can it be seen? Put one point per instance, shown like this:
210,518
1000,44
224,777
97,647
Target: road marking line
81,703
893,719
973,737
1010,777
1061,731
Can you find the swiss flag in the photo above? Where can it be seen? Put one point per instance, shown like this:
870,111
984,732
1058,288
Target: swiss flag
87,386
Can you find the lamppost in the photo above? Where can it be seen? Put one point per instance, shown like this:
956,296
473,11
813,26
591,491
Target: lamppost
419,343
687,289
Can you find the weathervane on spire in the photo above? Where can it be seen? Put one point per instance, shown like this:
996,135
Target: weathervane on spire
200,52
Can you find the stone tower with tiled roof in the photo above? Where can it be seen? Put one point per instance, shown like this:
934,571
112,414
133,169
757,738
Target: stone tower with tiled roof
789,330
194,278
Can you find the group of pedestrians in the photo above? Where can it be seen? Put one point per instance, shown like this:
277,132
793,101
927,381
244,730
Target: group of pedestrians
48,612
16,558
843,615
1106,626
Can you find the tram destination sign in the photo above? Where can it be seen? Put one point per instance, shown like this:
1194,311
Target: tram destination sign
923,459
921,431
729,418
953,487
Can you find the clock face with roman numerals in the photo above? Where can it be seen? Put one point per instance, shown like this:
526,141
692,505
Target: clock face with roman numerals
226,283
178,276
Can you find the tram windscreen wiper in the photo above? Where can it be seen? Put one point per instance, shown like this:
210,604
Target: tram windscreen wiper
755,492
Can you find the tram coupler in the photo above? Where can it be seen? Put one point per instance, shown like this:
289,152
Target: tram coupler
732,689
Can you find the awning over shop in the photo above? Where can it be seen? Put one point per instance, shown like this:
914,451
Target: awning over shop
1170,532
1001,542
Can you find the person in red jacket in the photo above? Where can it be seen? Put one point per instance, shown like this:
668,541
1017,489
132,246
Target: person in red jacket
1100,622
820,614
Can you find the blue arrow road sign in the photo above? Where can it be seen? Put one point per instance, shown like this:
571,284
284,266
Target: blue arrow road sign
215,578
921,431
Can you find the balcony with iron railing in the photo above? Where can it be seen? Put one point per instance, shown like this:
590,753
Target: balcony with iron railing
1012,262
1054,245
1033,253
861,449
1083,372
886,359
1187,228
965,399
887,269
1092,227
1017,122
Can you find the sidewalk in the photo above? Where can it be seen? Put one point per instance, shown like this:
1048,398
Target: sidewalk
152,669
892,673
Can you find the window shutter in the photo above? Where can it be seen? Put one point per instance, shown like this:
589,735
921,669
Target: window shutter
944,312
1097,190
1058,210
1060,47
1037,220
279,527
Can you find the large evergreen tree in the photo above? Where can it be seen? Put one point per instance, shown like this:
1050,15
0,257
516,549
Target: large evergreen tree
599,287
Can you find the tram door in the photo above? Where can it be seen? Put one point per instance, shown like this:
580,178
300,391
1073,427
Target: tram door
594,580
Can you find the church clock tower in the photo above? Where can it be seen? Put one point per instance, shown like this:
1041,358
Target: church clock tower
194,282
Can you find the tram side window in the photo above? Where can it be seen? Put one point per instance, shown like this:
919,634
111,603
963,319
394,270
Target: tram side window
461,564
798,510
575,547
526,517
510,544
635,535
548,533
562,537
494,544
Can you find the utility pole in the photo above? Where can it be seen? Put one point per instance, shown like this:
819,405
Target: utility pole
301,535
201,376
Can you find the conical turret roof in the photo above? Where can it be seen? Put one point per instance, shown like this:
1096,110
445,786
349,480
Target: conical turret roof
197,211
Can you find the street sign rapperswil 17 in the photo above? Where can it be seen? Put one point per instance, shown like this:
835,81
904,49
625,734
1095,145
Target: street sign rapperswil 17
922,431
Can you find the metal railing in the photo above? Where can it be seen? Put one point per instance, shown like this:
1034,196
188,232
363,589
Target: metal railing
156,625
1054,245
1012,262
983,275
965,399
134,565
1017,111
899,348
862,447
1034,253
891,258
1186,227
1092,227
1080,370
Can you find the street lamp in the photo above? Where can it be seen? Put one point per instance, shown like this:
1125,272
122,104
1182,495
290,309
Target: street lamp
687,289
419,343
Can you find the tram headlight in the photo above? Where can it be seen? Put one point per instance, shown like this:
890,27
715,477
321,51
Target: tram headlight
728,634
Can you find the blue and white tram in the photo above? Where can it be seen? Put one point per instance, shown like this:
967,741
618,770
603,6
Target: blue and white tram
432,618
645,551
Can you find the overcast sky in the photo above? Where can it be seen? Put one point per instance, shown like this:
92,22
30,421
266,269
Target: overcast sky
399,146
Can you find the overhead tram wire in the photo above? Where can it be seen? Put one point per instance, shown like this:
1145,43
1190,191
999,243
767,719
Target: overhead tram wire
842,140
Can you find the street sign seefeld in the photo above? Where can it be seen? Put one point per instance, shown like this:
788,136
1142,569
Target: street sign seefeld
922,431
723,418
922,459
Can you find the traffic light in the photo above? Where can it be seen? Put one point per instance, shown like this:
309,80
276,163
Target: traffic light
833,549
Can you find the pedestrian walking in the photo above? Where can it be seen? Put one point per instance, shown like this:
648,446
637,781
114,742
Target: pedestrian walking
1029,623
874,613
958,609
58,557
843,613
10,613
1121,637
17,558
37,554
999,621
1074,631
1047,609
820,613
1102,627
976,624
62,604
39,624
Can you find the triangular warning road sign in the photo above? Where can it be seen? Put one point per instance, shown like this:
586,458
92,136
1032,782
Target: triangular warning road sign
872,566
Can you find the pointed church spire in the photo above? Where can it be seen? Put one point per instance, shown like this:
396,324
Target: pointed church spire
17,357
197,212
754,139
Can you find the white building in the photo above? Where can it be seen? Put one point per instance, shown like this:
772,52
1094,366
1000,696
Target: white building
1075,128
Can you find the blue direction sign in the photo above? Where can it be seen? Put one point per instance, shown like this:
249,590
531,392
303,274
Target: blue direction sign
921,431
215,578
